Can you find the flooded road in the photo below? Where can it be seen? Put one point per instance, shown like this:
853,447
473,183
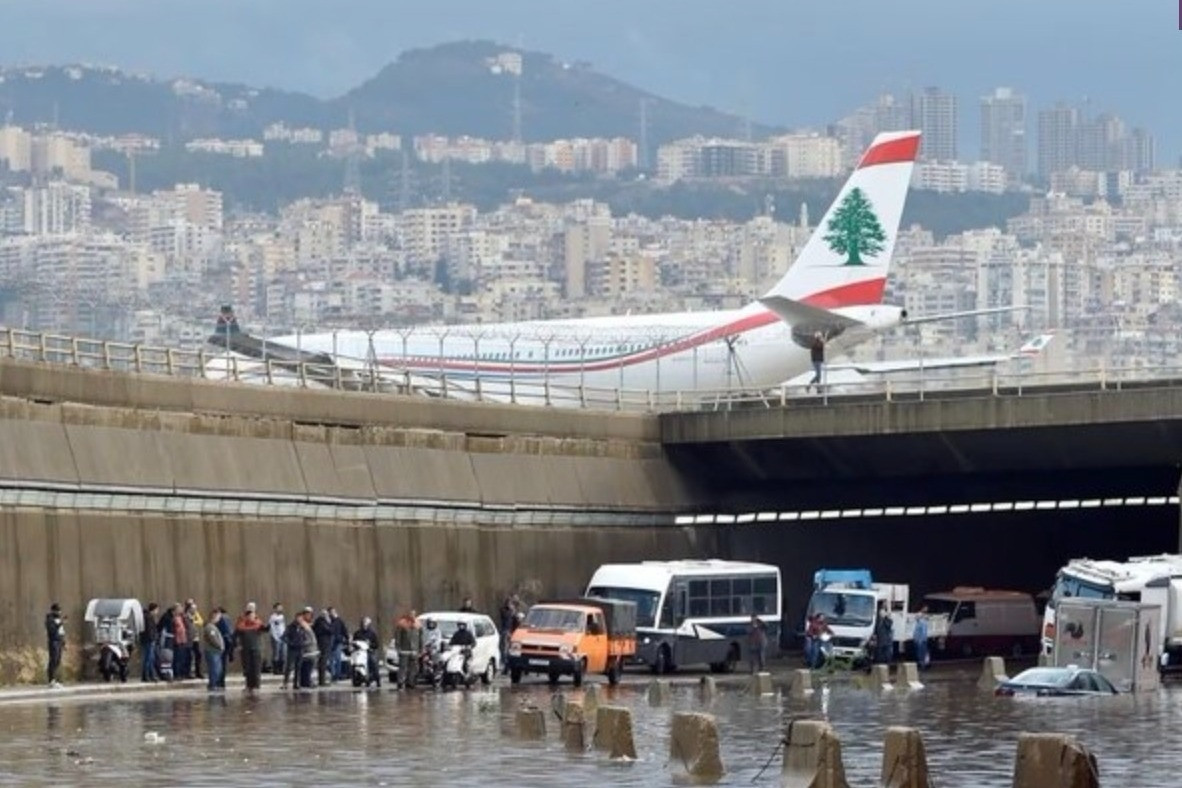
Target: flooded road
344,737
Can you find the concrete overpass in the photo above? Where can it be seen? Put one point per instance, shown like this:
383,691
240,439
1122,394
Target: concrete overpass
806,449
967,487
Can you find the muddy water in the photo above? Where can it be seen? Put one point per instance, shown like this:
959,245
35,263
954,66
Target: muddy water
343,737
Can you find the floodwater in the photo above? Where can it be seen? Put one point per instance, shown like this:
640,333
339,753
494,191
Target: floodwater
425,738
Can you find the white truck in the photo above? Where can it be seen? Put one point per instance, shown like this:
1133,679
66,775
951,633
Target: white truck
1152,579
849,600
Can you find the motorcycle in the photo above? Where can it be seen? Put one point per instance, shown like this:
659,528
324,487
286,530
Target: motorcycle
114,657
457,667
359,664
117,625
431,668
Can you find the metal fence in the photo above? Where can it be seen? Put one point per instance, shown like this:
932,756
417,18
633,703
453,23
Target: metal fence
368,376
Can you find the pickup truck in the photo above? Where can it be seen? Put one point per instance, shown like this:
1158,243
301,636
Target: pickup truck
574,638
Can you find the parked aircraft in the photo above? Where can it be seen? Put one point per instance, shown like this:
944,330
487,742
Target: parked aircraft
835,287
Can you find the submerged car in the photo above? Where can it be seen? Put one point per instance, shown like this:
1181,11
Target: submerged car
1056,681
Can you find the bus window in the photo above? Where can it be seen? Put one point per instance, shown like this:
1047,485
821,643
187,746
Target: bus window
720,606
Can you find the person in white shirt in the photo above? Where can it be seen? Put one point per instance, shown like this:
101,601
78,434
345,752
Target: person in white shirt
277,623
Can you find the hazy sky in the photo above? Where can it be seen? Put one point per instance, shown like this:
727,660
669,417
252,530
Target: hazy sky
788,62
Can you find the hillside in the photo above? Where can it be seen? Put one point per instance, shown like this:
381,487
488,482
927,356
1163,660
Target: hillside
461,88
452,89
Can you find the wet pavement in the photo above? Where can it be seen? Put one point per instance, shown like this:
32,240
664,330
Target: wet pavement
183,736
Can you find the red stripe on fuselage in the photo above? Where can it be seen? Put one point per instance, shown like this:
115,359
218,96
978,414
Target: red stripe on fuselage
891,152
855,294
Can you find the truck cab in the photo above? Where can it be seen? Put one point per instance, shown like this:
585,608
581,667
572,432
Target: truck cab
849,599
574,638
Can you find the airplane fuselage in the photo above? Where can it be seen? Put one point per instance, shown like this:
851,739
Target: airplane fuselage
684,352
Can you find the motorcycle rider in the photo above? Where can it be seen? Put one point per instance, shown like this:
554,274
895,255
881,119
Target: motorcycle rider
432,638
368,634
432,645
463,637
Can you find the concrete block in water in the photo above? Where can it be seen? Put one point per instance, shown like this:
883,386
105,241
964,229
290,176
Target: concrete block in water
658,692
993,672
590,701
1054,760
693,742
531,722
613,731
907,676
878,679
812,756
761,684
709,687
574,726
802,683
904,759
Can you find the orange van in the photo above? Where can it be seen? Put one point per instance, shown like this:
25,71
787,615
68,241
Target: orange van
574,638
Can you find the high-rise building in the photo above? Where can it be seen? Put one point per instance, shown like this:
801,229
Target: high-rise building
1058,129
586,241
934,112
1003,131
56,208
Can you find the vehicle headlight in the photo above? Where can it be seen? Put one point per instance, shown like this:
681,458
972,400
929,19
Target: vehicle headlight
646,641
515,648
566,650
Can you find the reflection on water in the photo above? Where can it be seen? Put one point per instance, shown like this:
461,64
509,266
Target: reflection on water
425,738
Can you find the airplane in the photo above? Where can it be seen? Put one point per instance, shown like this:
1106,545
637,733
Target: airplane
866,376
834,287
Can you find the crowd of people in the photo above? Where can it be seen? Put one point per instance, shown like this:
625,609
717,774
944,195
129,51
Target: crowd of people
308,650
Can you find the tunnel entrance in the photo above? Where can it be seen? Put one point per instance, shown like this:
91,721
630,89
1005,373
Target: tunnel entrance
1009,531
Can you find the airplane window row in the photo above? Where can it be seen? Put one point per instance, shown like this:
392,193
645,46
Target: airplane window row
532,354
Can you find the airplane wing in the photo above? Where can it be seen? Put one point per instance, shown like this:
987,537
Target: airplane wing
1029,350
911,321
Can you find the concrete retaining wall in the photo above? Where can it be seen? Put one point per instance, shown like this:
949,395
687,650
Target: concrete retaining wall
84,431
86,445
362,568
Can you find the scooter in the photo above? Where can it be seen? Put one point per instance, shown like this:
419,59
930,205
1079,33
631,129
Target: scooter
457,667
114,657
359,664
393,662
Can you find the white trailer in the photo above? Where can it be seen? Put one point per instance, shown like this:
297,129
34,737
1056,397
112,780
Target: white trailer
1152,579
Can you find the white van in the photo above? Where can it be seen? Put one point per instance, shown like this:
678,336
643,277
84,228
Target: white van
486,656
986,622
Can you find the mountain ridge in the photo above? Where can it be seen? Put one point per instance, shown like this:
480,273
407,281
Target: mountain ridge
456,88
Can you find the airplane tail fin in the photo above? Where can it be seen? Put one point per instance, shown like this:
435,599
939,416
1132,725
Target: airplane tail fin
845,261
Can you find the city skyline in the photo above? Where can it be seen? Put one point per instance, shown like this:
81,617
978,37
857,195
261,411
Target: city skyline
682,56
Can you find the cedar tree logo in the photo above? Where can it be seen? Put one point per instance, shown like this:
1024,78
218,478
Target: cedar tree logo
854,230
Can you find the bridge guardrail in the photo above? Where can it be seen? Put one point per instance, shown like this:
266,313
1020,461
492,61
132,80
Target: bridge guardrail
359,375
